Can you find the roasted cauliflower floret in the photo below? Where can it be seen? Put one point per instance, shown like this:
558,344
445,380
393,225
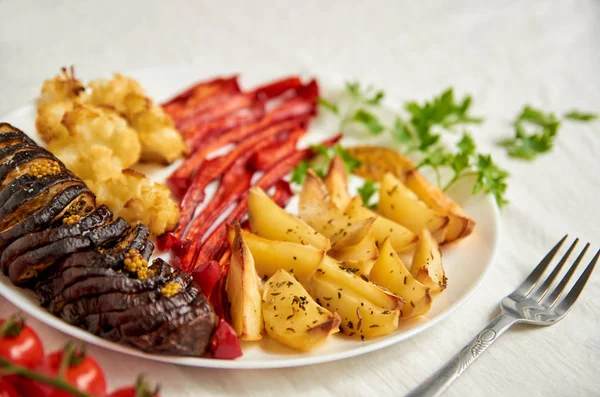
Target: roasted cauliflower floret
49,120
161,142
98,144
112,92
136,198
62,87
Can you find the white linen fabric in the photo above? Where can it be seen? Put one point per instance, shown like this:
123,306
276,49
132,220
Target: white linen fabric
504,53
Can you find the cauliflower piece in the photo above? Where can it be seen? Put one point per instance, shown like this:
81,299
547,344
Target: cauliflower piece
64,86
112,92
49,120
135,198
161,142
98,143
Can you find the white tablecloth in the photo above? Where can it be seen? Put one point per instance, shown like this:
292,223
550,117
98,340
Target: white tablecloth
505,53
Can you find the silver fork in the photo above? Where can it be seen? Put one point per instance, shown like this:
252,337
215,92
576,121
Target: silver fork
529,303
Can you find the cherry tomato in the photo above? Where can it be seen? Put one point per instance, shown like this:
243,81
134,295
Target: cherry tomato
141,389
20,344
82,371
7,389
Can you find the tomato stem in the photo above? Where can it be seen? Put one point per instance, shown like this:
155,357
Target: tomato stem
54,382
12,326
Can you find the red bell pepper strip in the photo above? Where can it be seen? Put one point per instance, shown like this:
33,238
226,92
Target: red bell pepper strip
200,95
225,344
276,88
229,104
234,183
264,159
225,123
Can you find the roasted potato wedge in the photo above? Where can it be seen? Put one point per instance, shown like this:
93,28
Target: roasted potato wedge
401,205
360,317
243,291
272,222
292,317
336,182
271,256
389,272
317,210
427,263
346,280
460,224
400,237
360,256
377,161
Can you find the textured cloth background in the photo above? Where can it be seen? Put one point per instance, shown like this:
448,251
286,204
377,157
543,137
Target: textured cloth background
505,53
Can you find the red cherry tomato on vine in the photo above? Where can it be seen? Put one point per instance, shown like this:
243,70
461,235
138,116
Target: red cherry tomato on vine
20,344
7,389
81,371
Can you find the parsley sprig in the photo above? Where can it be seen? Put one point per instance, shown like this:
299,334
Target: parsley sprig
321,163
419,131
536,131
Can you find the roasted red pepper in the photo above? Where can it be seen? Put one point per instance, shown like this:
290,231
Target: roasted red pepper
198,95
229,104
277,88
225,344
264,159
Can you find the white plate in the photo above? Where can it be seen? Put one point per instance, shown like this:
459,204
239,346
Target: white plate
466,264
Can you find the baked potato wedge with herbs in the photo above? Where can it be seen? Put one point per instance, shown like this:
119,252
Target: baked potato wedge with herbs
376,161
271,256
292,317
359,256
272,222
361,317
336,182
400,237
427,263
460,225
243,291
317,210
389,272
401,205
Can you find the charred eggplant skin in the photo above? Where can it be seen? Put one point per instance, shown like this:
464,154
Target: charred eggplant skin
60,204
99,217
76,265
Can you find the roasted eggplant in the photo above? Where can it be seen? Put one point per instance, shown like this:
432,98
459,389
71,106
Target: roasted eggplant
87,268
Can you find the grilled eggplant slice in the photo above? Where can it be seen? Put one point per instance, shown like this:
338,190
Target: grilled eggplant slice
20,163
101,216
141,319
103,285
74,200
25,268
186,335
37,195
14,186
75,311
111,256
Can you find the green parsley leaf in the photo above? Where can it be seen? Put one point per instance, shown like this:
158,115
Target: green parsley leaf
322,150
350,161
466,145
376,98
366,191
535,133
491,179
299,173
400,132
353,88
576,115
369,120
328,105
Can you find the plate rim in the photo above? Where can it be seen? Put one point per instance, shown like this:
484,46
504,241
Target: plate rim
10,293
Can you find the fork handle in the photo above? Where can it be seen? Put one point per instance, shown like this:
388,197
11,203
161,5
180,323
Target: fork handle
437,383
